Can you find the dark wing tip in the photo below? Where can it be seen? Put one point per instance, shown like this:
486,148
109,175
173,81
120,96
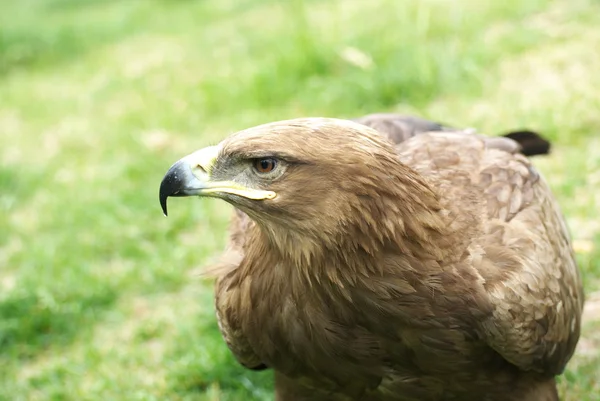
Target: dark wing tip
531,142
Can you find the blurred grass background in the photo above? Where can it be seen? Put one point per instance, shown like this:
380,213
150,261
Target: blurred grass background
99,293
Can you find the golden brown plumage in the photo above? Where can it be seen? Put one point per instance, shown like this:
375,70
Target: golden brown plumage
437,270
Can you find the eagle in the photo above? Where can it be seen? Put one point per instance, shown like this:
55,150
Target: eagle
435,267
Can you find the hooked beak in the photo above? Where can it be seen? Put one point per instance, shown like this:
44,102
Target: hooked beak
192,176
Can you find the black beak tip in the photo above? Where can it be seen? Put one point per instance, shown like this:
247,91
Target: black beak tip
170,185
163,196
175,183
163,205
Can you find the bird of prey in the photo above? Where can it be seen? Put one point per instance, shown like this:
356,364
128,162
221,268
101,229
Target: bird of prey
438,268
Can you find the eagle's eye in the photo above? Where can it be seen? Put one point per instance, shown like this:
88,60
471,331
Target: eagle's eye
265,165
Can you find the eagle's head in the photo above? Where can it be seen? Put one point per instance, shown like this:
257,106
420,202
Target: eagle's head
310,178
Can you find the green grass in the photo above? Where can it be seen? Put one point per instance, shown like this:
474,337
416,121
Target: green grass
99,293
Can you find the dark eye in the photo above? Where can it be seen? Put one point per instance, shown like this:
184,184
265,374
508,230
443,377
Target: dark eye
265,165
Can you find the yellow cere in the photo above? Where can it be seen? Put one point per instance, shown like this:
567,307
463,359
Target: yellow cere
204,157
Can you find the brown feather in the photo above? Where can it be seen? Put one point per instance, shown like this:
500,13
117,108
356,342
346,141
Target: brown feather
441,269
398,128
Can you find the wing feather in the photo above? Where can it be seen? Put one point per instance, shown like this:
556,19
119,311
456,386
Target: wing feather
523,251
